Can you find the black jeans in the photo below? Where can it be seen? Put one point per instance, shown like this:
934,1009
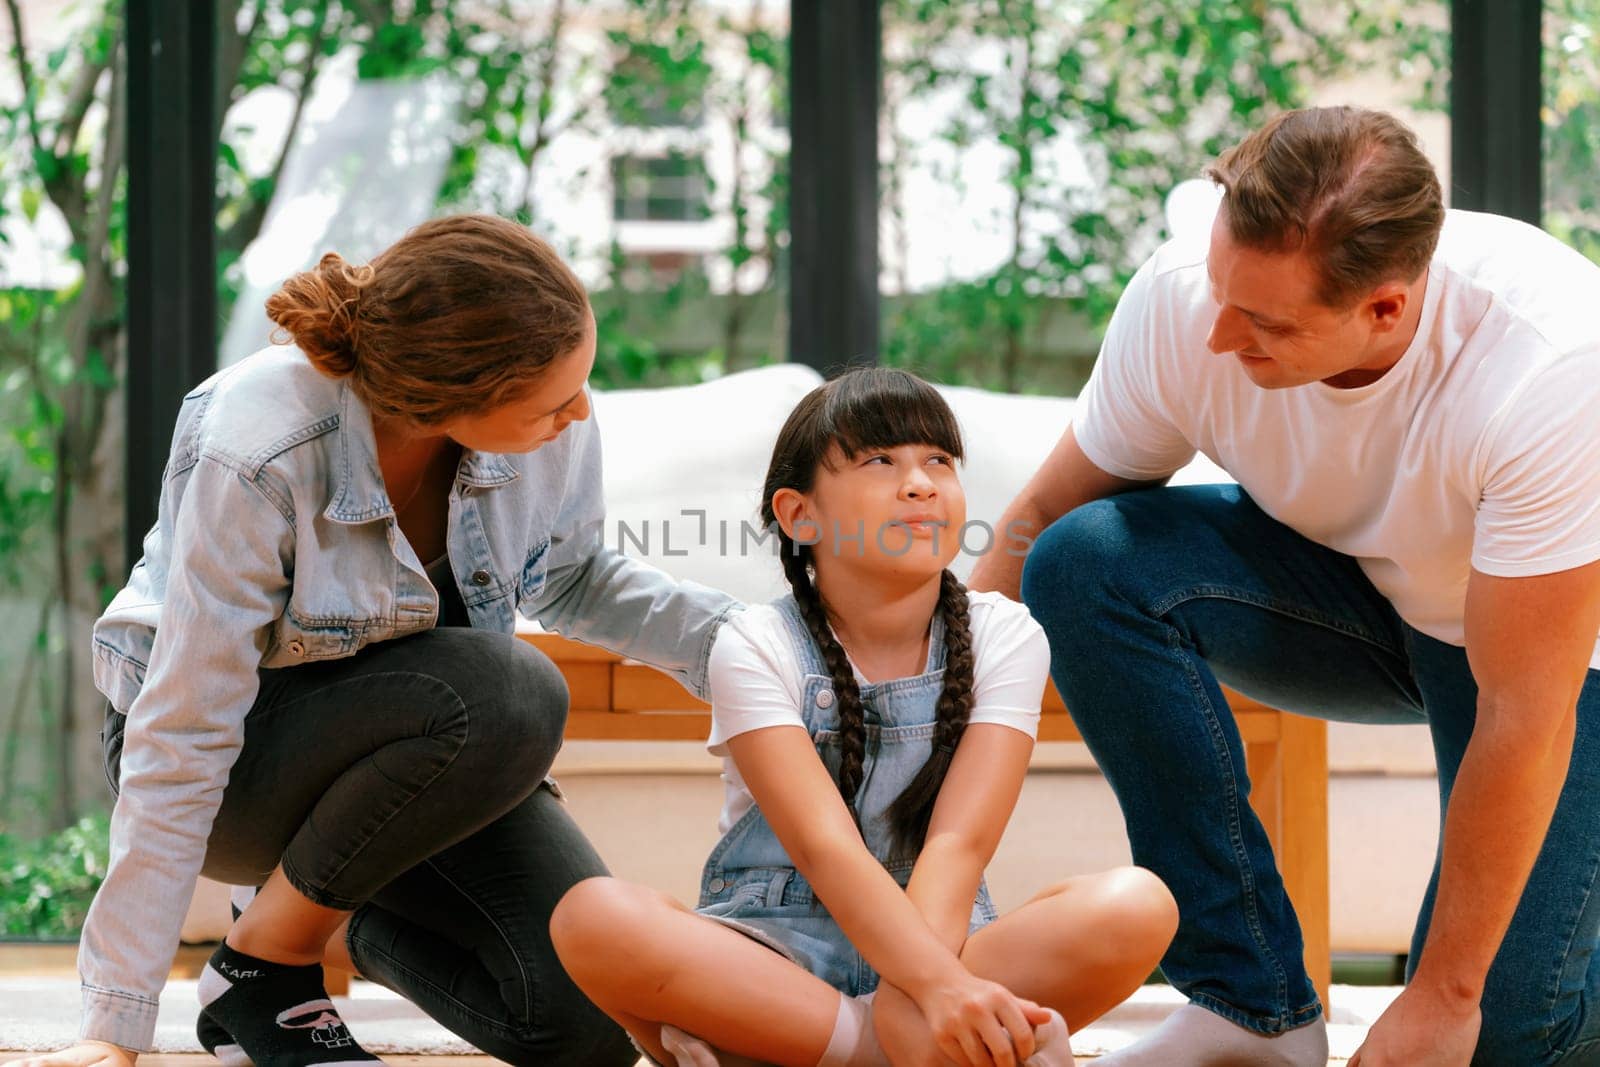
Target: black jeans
404,783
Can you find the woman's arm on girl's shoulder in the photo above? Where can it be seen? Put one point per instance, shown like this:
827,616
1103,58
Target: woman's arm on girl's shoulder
1011,659
227,581
596,594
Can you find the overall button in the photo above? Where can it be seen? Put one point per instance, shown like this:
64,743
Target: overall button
480,577
296,648
716,885
825,698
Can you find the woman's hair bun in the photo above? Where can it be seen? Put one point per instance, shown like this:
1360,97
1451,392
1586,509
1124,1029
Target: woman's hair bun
319,311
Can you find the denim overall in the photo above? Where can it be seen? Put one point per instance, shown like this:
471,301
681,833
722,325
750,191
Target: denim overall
749,882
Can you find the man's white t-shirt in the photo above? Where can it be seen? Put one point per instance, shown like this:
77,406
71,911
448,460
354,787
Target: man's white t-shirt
756,679
1479,449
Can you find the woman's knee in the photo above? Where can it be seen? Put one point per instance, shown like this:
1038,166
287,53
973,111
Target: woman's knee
513,698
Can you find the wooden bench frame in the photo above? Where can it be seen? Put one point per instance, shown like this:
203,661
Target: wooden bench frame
615,699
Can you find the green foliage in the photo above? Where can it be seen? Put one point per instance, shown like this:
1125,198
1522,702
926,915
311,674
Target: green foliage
1149,91
46,885
1572,123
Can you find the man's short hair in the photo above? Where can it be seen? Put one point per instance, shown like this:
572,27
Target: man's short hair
1348,186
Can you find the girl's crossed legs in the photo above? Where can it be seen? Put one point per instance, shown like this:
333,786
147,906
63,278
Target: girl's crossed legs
1080,947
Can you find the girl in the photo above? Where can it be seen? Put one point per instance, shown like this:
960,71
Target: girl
313,683
876,726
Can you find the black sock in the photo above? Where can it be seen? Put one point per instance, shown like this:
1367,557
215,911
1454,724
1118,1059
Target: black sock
279,1015
213,1038
217,1041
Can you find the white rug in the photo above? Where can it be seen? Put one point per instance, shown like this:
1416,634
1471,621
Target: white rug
38,1014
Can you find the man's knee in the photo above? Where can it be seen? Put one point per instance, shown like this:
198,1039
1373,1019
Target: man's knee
1073,563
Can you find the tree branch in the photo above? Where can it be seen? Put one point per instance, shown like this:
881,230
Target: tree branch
232,48
80,97
24,73
543,79
95,318
248,224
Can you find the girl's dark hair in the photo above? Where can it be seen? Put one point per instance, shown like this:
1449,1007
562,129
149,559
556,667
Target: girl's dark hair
861,410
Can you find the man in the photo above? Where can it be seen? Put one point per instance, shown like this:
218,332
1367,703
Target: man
1409,400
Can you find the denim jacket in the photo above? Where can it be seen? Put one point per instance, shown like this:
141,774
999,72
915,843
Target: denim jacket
277,544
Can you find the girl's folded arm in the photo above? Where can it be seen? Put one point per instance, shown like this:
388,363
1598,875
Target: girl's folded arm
802,804
970,815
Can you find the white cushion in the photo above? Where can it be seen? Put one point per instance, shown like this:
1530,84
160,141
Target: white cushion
700,447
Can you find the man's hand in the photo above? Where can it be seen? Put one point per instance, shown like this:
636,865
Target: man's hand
83,1054
1422,1028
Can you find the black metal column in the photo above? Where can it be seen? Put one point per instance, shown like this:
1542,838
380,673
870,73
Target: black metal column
1496,147
172,272
834,65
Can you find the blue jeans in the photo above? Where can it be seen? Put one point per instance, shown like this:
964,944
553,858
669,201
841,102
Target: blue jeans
1152,598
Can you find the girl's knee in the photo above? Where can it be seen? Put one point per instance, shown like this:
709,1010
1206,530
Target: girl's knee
599,914
1135,909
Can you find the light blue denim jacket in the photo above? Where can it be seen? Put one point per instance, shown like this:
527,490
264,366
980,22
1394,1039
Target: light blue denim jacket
276,544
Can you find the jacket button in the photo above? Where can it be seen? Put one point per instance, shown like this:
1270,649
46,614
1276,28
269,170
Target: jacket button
296,648
716,885
825,698
480,577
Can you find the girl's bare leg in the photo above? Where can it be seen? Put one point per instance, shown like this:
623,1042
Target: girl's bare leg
645,960
1081,947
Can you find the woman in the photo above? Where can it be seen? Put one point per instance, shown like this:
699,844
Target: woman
313,682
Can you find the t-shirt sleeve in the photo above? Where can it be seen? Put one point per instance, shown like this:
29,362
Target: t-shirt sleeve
1011,660
1119,420
754,680
1540,506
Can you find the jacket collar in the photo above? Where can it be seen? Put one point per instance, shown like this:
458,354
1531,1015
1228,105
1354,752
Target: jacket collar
359,494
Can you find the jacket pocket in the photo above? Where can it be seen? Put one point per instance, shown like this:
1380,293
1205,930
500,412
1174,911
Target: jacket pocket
534,570
302,641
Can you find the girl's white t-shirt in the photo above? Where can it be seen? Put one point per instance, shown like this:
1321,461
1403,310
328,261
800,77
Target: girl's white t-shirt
756,679
1479,449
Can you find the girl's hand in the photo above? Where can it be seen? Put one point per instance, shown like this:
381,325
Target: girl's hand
83,1054
980,1023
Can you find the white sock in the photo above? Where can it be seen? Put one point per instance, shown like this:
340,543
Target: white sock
855,1040
691,1051
1195,1037
240,896
1052,1047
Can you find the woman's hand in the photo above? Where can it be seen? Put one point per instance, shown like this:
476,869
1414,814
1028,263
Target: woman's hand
980,1023
83,1054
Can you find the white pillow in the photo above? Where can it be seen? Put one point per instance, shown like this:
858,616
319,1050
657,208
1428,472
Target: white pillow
691,448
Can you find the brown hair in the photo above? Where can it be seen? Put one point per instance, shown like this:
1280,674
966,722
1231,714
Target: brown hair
457,317
861,410
1348,186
